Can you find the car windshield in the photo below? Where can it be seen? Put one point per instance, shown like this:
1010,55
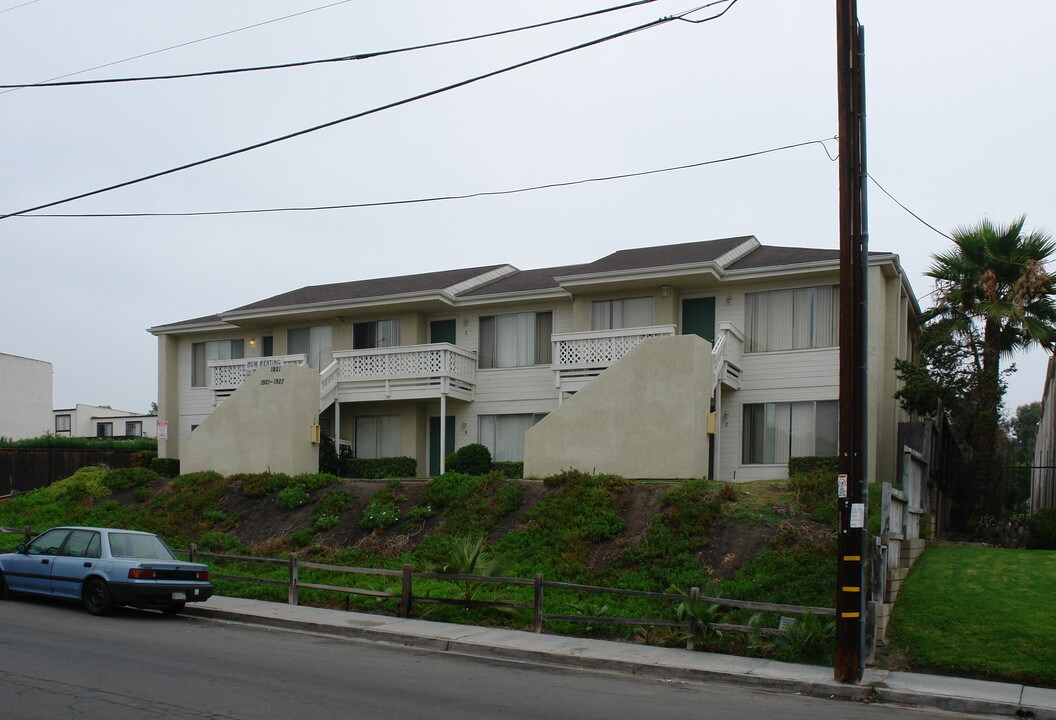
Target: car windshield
129,545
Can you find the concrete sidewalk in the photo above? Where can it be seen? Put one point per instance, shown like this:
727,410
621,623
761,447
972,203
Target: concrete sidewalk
926,691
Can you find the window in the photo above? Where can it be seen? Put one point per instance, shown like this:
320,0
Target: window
134,428
515,340
83,543
773,432
377,436
791,319
203,352
62,423
315,342
625,313
375,334
104,429
503,435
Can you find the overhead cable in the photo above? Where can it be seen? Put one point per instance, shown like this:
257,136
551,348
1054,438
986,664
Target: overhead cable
342,58
185,44
441,198
365,113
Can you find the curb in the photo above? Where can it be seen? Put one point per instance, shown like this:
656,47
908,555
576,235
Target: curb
877,687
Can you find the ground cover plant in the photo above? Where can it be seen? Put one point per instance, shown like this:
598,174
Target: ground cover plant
980,611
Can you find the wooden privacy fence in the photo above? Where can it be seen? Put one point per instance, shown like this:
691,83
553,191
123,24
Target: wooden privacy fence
25,469
407,599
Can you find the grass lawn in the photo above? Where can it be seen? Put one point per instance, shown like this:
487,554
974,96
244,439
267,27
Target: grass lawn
980,611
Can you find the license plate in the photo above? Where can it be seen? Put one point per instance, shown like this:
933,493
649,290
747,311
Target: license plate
179,596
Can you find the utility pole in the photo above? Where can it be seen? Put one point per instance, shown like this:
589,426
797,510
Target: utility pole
851,491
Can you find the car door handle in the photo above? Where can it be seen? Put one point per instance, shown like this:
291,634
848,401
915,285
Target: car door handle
87,564
45,561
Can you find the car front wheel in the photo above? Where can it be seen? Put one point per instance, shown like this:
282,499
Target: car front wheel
97,597
6,593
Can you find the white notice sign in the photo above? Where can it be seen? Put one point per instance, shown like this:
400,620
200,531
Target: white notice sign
857,515
841,486
163,430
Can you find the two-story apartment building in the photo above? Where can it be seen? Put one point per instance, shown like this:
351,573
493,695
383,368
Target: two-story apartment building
591,366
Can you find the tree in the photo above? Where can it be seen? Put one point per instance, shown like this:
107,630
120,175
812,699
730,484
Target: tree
1022,429
993,297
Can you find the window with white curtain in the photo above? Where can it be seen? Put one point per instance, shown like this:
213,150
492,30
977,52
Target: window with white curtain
798,319
515,340
774,432
315,342
377,436
203,352
624,313
375,334
503,435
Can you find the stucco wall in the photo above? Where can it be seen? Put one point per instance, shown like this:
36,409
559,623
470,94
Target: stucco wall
25,397
645,417
265,425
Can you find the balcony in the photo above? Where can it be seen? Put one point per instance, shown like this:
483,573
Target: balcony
412,372
580,357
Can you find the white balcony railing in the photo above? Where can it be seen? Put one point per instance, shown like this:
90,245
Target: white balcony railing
726,356
229,374
580,357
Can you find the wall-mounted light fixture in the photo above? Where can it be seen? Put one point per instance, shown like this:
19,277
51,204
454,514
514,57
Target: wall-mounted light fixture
665,290
252,342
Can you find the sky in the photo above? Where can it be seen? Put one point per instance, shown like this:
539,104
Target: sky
959,100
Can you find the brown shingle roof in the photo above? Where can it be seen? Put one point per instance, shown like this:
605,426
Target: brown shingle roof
663,256
358,289
524,281
772,256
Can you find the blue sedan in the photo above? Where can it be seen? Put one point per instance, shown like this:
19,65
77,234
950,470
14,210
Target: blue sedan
104,568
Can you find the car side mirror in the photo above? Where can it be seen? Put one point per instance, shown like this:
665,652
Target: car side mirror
21,549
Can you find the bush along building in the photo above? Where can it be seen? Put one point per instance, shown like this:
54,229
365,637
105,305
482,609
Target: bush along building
717,358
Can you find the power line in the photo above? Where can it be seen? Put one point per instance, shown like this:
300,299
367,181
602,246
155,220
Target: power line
343,58
16,7
189,42
442,198
356,116
918,217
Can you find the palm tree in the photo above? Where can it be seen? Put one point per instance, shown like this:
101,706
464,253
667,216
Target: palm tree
994,297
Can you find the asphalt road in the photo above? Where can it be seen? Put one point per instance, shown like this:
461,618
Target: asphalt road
57,662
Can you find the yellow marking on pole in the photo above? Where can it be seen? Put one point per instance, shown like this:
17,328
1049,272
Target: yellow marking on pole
850,615
852,589
852,558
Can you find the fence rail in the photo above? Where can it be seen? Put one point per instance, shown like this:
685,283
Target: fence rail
407,599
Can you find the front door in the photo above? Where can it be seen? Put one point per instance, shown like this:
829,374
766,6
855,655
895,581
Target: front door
442,331
434,442
698,318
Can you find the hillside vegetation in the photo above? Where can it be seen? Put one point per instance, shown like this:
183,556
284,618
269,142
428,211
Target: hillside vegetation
750,541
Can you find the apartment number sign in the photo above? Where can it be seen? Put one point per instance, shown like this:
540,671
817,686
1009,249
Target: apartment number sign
266,382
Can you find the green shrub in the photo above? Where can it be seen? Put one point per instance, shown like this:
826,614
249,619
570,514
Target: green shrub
826,463
509,469
323,523
383,509
166,467
329,461
302,538
142,458
291,497
379,468
334,502
216,542
815,491
214,514
263,483
315,481
1041,530
809,639
142,494
448,489
130,477
474,459
86,482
